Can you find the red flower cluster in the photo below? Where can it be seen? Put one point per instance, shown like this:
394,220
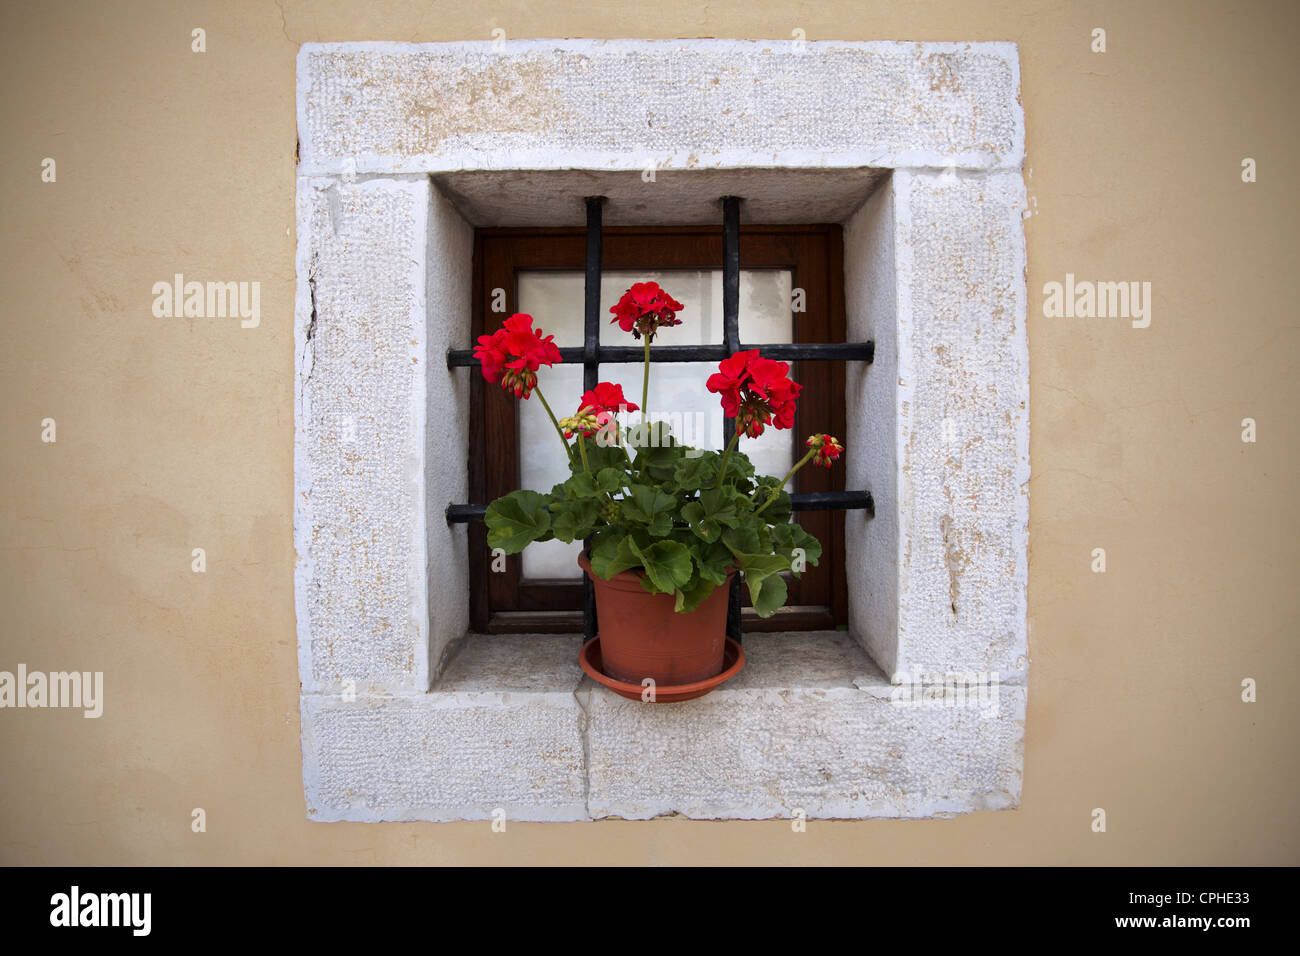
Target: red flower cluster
607,397
756,392
644,309
827,449
513,354
598,405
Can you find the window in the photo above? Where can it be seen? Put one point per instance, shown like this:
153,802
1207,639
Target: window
542,271
441,728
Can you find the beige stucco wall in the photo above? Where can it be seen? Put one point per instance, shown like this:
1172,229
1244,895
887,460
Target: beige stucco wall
177,433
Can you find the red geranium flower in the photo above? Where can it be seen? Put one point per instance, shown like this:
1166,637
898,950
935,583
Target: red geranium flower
644,309
598,405
827,449
756,392
513,354
607,397
728,380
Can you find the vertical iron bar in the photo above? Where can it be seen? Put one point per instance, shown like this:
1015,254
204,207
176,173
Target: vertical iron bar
731,273
590,365
731,339
591,323
730,286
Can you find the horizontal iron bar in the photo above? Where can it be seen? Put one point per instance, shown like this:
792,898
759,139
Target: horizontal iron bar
464,514
809,501
786,352
834,501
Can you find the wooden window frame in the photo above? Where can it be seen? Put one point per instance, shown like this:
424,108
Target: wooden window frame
505,602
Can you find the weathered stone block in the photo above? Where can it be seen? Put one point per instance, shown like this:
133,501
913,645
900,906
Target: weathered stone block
359,470
811,725
502,730
626,104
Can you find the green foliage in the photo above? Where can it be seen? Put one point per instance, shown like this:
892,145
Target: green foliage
518,519
667,518
650,508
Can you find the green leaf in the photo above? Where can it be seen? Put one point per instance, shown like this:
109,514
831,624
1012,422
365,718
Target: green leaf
651,507
625,557
610,480
749,538
767,590
580,485
692,474
516,520
787,537
713,562
574,520
766,594
739,468
778,512
599,457
700,523
667,565
760,566
720,504
658,462
604,551
691,594
649,435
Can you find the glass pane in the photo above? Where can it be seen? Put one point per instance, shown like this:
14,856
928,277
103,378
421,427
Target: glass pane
677,391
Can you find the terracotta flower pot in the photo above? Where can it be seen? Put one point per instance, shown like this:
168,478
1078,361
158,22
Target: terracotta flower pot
642,636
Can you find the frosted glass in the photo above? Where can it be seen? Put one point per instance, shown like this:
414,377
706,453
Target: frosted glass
677,390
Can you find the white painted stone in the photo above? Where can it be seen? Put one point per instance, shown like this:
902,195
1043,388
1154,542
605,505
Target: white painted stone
501,730
935,276
963,423
675,197
450,261
938,426
359,472
670,104
872,545
809,724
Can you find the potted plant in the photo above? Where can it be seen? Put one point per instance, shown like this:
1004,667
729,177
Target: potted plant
667,525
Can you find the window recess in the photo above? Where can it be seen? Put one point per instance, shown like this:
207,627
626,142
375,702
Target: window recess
811,255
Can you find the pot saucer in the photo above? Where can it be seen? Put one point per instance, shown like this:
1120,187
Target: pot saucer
733,659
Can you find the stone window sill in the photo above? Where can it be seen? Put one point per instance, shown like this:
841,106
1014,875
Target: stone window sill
809,725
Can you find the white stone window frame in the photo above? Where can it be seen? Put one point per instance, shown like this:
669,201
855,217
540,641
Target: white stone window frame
402,719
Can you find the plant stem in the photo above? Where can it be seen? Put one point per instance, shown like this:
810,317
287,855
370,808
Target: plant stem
645,382
776,492
726,455
618,434
645,404
568,452
582,448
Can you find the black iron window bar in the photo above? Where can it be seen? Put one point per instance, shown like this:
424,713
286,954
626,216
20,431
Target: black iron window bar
593,354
